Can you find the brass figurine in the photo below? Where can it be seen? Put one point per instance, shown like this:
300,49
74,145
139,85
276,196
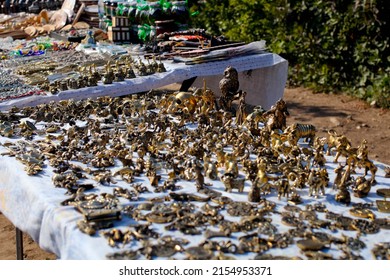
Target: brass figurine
109,76
229,86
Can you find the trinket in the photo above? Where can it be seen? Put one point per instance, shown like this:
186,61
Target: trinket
208,234
307,215
297,131
231,183
362,213
90,228
261,183
292,208
241,110
295,199
198,253
229,86
344,223
323,237
362,187
365,226
119,74
355,243
348,254
239,208
276,116
116,237
383,192
343,196
383,223
383,205
109,76
381,251
271,257
310,245
317,223
267,228
123,255
283,188
317,182
164,249
318,207
314,255
291,221
387,172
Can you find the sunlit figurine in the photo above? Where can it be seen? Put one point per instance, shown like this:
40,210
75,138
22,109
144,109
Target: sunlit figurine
109,76
363,161
276,116
228,85
119,74
283,188
160,67
262,179
142,70
241,110
362,187
129,70
343,195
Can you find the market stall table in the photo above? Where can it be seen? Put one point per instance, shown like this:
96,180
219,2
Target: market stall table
33,205
263,76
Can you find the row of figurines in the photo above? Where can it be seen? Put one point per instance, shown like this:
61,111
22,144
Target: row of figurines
92,76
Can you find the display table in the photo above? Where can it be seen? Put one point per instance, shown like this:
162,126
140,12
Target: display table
263,76
33,205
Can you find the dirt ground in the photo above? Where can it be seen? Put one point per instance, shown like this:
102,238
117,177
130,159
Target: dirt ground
347,115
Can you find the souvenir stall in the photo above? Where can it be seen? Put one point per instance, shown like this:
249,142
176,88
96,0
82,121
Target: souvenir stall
96,163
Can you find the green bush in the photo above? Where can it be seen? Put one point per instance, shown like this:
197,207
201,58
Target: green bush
331,46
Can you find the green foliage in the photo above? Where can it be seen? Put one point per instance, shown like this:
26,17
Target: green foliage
331,46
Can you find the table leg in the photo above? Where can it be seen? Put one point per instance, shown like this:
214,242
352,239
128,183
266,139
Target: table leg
19,244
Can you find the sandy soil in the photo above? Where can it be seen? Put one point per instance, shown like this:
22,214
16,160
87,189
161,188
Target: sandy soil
347,115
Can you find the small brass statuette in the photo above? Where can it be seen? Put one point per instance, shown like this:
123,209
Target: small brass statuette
229,86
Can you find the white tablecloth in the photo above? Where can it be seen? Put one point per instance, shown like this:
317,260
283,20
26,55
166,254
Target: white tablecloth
263,76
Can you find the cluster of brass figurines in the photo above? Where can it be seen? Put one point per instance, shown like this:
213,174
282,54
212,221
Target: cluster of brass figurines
186,137
42,73
12,86
123,68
